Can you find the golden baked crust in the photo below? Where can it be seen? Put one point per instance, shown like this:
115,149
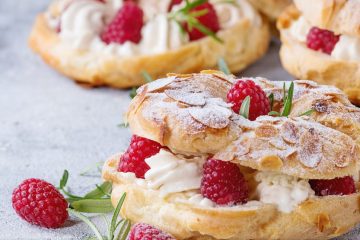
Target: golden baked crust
271,8
315,218
305,63
243,44
340,16
189,114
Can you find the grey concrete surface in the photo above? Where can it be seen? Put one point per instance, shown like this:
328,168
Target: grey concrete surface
48,123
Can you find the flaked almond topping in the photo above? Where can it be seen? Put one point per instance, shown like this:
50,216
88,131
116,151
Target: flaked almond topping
214,117
310,149
289,132
158,84
193,99
266,131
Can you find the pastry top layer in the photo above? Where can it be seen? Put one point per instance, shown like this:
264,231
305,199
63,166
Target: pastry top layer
190,115
339,16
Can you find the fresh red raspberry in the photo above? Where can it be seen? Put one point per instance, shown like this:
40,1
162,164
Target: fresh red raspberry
173,3
223,183
133,160
142,231
209,20
40,203
321,40
259,102
336,186
126,25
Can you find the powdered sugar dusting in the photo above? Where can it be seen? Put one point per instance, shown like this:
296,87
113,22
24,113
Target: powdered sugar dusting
195,99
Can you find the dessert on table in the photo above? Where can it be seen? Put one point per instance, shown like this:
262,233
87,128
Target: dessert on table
216,157
112,42
321,42
271,8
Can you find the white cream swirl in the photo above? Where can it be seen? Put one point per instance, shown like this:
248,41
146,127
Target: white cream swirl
347,48
82,22
170,174
285,191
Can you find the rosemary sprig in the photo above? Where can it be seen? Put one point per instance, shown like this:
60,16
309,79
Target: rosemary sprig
223,67
188,15
118,229
245,107
95,201
287,103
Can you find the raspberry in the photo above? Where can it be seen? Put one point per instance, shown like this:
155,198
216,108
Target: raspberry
336,186
321,40
142,231
40,203
223,183
126,26
173,3
209,20
259,102
133,160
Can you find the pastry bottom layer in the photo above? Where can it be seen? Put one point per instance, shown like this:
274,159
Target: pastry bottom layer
319,218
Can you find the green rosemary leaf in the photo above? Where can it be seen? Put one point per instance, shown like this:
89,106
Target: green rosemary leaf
274,113
222,66
133,92
207,31
124,230
89,169
88,222
271,99
123,125
100,191
245,107
307,113
102,205
64,179
146,76
284,93
115,216
199,13
288,102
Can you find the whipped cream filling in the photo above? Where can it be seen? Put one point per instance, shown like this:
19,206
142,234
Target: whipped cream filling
285,191
171,174
347,48
82,22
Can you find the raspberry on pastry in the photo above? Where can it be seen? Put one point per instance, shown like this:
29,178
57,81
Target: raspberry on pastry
133,160
209,20
336,186
142,231
126,25
259,102
173,3
223,183
222,176
321,40
112,43
39,202
323,44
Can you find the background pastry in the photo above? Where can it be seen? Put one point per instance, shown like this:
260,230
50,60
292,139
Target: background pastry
111,42
199,170
321,42
271,8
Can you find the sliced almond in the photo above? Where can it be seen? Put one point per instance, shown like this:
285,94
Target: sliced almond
271,162
310,149
323,221
159,84
193,99
266,131
289,132
214,117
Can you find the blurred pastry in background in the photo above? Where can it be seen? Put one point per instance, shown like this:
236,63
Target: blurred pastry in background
271,8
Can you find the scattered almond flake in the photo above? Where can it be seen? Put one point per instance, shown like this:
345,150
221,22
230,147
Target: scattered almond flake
266,131
278,143
289,132
194,99
321,106
214,117
219,102
307,82
310,149
158,84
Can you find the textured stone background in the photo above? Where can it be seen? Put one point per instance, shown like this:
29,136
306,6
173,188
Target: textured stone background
48,123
